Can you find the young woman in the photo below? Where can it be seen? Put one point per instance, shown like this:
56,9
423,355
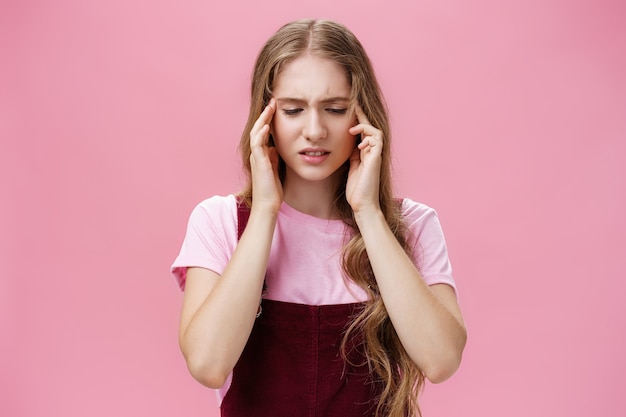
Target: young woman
358,305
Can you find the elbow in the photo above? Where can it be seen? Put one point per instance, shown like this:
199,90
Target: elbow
446,364
442,372
206,372
203,367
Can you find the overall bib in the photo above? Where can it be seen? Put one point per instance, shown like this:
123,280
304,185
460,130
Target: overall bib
292,365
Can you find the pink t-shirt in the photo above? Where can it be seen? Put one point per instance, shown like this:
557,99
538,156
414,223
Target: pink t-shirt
304,262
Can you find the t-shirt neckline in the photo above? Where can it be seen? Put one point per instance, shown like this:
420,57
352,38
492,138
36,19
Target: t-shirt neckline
326,224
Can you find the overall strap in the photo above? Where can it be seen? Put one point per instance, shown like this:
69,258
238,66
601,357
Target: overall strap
243,214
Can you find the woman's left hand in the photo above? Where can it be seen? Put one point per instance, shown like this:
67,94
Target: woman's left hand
362,188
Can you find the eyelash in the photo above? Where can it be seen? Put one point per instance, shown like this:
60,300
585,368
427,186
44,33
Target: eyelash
293,112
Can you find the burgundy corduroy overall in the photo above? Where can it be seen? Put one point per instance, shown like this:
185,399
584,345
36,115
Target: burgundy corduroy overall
292,366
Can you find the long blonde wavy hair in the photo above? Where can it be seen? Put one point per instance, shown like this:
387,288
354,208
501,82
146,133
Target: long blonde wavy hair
401,379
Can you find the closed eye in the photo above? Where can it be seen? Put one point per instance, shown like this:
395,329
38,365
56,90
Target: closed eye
291,112
334,110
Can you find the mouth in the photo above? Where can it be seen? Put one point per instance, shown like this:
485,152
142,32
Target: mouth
314,156
314,153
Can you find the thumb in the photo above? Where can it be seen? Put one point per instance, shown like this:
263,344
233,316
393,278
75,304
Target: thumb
272,153
355,159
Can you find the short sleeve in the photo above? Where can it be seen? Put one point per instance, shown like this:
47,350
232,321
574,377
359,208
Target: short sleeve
426,237
210,239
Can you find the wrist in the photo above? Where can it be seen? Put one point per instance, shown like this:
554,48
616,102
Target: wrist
367,215
266,210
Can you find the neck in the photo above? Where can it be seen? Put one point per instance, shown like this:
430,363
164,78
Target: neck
315,198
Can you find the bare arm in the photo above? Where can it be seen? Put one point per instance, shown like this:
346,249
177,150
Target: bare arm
218,312
427,319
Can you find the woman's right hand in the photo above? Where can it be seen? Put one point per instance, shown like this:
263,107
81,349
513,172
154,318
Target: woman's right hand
267,190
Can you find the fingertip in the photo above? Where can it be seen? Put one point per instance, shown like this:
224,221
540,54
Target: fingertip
268,105
361,117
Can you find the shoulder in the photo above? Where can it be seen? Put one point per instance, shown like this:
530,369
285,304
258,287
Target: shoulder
427,239
210,239
417,214
218,202
218,206
217,214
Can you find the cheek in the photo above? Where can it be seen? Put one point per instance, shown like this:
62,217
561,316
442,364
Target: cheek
350,121
276,128
348,141
341,127
281,125
282,132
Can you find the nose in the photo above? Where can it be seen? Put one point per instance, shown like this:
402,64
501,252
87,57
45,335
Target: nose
314,128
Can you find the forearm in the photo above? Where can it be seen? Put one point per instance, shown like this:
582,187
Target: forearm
432,333
217,332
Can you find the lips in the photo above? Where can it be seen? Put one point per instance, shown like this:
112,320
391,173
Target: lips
314,156
313,152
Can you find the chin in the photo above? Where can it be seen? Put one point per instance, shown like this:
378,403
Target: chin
313,175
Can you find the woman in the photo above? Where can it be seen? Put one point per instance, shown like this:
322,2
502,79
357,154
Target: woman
358,305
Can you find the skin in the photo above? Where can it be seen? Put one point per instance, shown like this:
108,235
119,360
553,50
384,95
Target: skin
312,97
303,116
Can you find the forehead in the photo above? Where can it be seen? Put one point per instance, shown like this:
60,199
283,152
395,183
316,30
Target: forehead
311,77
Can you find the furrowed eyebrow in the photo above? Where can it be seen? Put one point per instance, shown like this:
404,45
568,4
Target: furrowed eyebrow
293,100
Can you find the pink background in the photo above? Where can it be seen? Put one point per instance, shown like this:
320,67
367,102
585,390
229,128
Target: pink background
117,117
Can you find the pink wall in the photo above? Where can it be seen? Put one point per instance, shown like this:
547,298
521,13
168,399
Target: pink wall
117,117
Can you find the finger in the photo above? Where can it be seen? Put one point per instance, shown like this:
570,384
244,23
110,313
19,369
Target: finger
260,137
272,154
364,126
367,132
355,159
264,118
360,115
365,129
370,145
364,144
267,114
260,121
272,109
